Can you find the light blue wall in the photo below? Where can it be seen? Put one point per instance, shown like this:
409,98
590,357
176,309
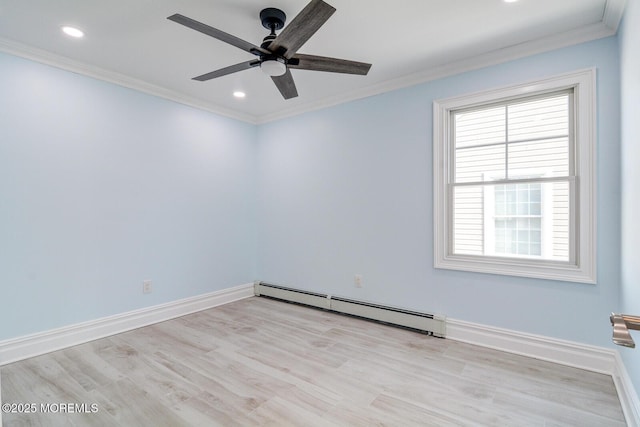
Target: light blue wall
102,187
630,84
348,190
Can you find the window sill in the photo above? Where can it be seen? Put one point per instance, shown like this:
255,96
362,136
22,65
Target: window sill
548,270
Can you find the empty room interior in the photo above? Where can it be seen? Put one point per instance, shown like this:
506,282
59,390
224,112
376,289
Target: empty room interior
319,213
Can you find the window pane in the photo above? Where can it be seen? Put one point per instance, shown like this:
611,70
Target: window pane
535,193
560,213
468,220
536,236
535,224
536,249
546,158
487,126
527,219
534,209
540,118
480,164
519,237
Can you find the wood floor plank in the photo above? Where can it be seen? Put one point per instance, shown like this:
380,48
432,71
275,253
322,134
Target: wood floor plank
263,362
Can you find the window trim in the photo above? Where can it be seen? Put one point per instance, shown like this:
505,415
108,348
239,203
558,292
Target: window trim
583,268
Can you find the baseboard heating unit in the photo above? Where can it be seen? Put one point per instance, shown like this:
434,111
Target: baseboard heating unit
432,324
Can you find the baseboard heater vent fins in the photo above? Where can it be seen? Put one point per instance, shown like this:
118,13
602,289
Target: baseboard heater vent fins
432,324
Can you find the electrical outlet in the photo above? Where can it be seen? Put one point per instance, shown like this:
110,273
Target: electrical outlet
357,280
146,286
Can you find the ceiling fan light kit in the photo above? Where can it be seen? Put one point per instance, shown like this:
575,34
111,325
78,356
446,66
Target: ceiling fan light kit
273,67
277,54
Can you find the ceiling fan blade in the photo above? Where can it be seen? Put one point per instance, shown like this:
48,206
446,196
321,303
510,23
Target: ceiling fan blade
303,26
228,70
331,65
217,34
286,85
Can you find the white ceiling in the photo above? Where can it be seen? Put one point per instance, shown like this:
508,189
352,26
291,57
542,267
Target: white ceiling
130,42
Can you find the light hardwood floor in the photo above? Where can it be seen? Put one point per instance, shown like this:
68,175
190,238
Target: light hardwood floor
265,362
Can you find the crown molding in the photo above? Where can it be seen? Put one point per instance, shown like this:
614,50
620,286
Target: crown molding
608,26
506,54
68,64
613,12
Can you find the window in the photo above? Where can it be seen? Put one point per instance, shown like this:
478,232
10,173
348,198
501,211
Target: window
514,180
515,228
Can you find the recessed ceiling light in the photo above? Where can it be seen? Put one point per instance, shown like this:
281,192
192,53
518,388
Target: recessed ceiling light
73,32
510,1
239,94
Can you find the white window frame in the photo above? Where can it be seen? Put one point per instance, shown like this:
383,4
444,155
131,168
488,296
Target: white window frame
581,267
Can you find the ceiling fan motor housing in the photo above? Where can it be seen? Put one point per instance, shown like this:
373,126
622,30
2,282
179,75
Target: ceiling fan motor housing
267,41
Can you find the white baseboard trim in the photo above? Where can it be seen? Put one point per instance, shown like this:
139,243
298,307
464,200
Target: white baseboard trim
27,346
627,393
568,353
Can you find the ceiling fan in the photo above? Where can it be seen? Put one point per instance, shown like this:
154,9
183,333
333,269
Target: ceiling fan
277,54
